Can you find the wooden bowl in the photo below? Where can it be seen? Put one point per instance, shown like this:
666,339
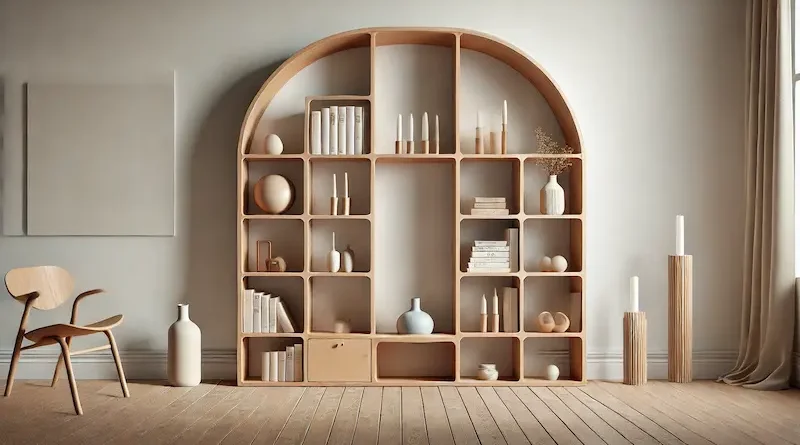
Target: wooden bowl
546,322
561,322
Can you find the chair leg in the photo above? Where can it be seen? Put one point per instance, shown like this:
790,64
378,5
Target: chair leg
118,362
14,361
73,387
56,372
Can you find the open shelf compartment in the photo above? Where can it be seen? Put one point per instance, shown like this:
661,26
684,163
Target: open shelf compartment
473,287
484,230
254,347
354,233
360,190
553,294
504,352
551,237
490,178
423,361
340,299
290,169
565,353
287,237
291,291
571,180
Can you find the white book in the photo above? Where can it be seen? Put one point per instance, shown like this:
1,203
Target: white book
342,127
273,366
488,265
316,133
351,130
285,323
265,367
265,312
489,205
488,212
359,148
510,309
247,311
482,243
326,131
298,363
256,314
334,133
289,364
512,237
273,314
489,270
503,255
490,199
490,248
281,366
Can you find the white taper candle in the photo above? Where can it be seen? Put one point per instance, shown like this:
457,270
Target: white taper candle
334,185
495,303
424,136
436,129
399,127
483,304
634,294
679,235
505,112
411,127
346,185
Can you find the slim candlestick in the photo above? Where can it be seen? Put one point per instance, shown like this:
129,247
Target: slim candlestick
484,320
679,311
634,294
436,135
346,199
495,312
634,348
346,185
425,137
478,136
505,112
334,185
679,235
334,198
410,143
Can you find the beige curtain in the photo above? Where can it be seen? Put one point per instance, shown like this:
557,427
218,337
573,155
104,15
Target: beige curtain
768,305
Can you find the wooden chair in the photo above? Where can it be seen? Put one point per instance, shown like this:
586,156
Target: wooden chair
45,288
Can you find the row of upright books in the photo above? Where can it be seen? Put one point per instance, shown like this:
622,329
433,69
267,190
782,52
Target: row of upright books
493,256
264,312
337,131
283,366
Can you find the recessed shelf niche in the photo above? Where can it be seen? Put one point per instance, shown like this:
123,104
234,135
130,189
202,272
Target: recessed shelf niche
292,170
340,298
359,174
419,361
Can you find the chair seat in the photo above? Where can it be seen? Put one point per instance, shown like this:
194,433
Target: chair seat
45,335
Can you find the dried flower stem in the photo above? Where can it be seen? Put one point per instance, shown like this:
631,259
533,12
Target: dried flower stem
546,145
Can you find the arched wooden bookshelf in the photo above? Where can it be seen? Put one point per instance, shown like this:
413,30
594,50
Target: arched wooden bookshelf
410,225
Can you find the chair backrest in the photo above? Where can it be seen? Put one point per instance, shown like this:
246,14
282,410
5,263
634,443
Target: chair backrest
53,283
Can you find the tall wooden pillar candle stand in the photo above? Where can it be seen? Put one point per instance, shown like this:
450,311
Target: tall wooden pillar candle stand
680,319
634,348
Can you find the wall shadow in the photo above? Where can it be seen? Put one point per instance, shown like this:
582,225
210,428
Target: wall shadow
210,276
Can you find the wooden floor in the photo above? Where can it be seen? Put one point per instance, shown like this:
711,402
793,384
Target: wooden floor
214,412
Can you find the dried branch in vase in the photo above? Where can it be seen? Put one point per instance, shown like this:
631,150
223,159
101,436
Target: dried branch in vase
546,145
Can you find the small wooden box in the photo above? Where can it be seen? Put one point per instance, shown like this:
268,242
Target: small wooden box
339,360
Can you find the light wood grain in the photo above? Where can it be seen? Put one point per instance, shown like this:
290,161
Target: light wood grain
205,423
320,429
415,430
391,427
679,302
344,425
266,424
571,419
502,416
436,423
485,425
369,417
610,426
634,348
297,426
460,422
557,429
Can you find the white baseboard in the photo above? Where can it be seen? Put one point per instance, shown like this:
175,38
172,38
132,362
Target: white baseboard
221,364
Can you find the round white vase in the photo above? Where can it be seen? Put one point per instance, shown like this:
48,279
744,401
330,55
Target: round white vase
552,372
183,353
551,198
415,321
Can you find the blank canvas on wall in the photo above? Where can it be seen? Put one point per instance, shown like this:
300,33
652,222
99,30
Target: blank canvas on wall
101,159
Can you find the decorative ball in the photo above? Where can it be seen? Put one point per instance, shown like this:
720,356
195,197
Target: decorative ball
273,145
552,372
545,264
274,194
561,322
559,264
546,322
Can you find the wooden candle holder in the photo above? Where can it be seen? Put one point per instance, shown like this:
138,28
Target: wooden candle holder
504,142
399,147
634,348
426,147
679,357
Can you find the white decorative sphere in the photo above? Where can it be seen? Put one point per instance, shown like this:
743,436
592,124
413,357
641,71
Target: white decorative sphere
274,194
552,372
545,264
559,264
273,145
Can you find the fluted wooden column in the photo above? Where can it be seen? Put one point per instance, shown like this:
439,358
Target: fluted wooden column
680,319
634,348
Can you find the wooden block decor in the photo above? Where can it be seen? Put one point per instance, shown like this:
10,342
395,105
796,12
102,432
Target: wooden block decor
680,319
634,348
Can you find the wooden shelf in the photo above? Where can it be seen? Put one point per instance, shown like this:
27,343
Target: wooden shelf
406,226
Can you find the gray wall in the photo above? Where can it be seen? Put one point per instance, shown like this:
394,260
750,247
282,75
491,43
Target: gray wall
656,87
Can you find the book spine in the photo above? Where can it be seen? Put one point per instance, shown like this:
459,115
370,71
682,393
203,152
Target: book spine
488,270
326,131
503,255
490,244
489,205
316,130
284,321
247,311
265,313
342,127
273,314
351,130
512,237
488,264
265,366
489,199
510,309
289,364
359,114
488,212
490,248
334,134
257,312
273,366
298,363
281,366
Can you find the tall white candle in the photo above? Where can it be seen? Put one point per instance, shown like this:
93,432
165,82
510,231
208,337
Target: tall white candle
634,294
399,127
334,185
505,112
679,235
410,127
495,303
436,129
346,185
424,126
483,304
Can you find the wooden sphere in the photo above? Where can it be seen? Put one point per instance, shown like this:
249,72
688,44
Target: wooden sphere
559,264
273,145
561,322
546,322
546,264
274,194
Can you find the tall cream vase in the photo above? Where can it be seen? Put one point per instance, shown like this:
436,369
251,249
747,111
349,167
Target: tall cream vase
183,361
551,198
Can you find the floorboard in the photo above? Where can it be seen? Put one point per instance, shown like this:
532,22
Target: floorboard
344,426
439,432
369,417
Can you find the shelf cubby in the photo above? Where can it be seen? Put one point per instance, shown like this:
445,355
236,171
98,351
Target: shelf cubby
291,169
494,177
551,237
292,293
359,174
552,294
565,353
535,178
472,287
351,232
317,103
491,229
415,361
288,242
504,352
256,345
340,298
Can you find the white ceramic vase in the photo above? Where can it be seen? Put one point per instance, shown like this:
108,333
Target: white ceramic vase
415,321
551,198
487,371
183,353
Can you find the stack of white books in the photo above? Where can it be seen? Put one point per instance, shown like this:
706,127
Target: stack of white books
283,366
496,256
489,206
264,312
337,130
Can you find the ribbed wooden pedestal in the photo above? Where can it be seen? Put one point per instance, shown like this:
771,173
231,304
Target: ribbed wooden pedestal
634,348
680,319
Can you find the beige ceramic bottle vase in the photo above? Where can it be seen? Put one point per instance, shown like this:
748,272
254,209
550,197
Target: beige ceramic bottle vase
183,361
551,198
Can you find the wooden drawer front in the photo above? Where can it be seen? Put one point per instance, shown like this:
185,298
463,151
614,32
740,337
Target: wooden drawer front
339,360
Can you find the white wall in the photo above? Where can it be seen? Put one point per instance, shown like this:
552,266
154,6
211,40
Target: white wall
656,87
